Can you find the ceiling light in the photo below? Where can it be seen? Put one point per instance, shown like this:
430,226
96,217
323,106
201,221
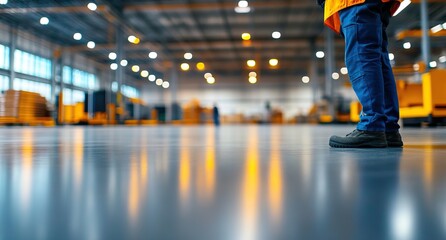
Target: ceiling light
210,80
124,63
335,76
135,68
153,55
159,81
92,6
131,38
144,73
320,54
433,64
112,56
3,2
391,56
188,56
242,7
442,59
201,66
113,66
243,4
44,21
276,35
403,5
273,62
91,44
252,74
242,10
305,79
246,36
251,63
252,80
437,28
207,75
77,36
152,77
166,84
407,45
344,71
416,67
185,67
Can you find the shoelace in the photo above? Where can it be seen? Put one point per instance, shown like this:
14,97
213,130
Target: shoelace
353,133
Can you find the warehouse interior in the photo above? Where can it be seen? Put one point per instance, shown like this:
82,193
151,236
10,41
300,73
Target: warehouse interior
194,119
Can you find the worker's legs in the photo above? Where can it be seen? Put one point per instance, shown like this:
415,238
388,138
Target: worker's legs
362,28
391,106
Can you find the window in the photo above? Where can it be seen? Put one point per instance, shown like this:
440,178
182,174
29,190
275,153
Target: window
130,92
43,89
4,83
66,74
114,87
4,57
78,96
127,91
71,97
81,79
33,65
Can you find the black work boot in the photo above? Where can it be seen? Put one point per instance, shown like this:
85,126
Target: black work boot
360,139
394,139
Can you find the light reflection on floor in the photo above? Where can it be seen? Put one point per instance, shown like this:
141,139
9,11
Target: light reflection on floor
233,182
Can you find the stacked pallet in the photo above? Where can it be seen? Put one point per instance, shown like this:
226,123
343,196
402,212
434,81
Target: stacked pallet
192,112
20,107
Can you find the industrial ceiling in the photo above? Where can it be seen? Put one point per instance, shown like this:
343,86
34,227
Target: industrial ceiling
211,30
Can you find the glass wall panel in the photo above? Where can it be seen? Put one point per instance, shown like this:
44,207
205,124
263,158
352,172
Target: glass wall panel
4,57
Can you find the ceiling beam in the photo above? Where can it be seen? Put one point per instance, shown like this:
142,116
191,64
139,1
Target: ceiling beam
418,33
210,6
198,45
429,1
55,10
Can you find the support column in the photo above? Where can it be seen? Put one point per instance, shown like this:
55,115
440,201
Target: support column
329,69
425,40
56,73
314,76
119,74
12,48
174,111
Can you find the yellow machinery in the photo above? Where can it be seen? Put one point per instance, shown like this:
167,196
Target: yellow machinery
355,111
425,102
419,102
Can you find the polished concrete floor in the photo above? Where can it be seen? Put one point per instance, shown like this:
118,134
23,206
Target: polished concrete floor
234,182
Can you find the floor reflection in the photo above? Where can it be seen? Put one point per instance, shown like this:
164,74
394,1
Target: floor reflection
250,188
275,179
232,182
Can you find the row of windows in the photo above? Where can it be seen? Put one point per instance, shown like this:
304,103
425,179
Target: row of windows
43,89
4,57
80,78
71,97
4,83
31,64
127,91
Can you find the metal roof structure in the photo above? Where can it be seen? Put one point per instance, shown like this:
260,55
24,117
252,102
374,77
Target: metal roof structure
211,30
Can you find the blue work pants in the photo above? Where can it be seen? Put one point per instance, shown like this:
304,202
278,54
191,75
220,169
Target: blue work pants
367,60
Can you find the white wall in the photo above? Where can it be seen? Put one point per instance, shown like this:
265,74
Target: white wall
234,96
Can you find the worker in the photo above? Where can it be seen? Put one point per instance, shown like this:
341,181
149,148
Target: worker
216,115
363,24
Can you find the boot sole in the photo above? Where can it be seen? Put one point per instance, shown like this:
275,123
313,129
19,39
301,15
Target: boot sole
334,144
395,144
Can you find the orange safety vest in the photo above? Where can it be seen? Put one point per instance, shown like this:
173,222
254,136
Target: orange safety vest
332,8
